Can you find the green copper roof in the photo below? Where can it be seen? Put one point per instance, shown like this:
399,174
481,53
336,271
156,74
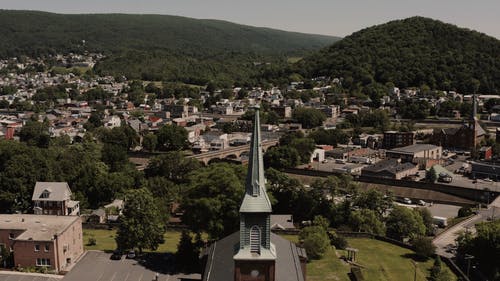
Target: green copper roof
256,200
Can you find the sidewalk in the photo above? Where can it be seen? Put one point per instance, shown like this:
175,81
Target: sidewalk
18,273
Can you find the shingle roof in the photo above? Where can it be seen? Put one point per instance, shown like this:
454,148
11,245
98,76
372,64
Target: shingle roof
59,191
220,263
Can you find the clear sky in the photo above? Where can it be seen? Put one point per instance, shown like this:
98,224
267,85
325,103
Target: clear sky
330,17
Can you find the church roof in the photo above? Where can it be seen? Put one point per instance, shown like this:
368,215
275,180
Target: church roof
220,262
256,199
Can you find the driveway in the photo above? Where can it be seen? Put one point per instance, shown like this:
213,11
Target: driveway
97,266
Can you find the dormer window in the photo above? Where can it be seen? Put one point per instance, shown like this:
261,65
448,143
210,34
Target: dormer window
45,194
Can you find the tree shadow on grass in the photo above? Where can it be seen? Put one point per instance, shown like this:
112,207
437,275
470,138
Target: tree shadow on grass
163,263
415,257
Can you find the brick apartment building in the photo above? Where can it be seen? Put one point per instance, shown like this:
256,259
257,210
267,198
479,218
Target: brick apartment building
55,242
394,139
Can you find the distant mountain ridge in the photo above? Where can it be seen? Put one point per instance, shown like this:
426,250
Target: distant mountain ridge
410,53
33,32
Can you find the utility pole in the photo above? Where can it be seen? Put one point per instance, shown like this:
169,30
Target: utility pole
468,258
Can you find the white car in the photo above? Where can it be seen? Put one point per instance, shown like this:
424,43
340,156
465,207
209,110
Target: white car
421,202
131,254
407,200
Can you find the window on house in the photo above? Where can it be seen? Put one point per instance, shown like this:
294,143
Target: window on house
42,262
37,248
47,247
11,235
45,194
255,239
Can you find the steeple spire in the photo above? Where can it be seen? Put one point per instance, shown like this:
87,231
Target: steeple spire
474,107
255,210
255,182
255,200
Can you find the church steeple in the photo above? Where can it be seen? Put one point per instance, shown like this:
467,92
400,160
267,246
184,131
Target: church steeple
255,210
255,199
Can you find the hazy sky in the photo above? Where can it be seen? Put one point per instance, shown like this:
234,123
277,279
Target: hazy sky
331,17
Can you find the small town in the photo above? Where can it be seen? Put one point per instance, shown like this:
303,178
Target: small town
131,164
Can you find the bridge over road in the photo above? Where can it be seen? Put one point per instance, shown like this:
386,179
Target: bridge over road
232,153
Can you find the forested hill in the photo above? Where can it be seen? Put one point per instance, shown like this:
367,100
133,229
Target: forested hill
158,47
31,32
412,52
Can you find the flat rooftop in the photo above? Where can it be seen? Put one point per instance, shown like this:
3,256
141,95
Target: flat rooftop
414,148
36,227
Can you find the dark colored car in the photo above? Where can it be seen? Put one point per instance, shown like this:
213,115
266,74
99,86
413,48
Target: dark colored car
117,255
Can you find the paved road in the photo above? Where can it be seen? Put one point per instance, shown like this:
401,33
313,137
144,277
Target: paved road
97,266
450,235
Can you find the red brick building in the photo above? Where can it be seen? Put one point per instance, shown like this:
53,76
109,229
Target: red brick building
55,242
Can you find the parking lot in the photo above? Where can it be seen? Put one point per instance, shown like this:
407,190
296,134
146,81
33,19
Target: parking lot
98,266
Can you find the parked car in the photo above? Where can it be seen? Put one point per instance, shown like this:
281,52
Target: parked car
421,202
131,254
117,255
407,200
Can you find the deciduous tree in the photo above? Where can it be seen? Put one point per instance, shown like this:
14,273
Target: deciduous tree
142,225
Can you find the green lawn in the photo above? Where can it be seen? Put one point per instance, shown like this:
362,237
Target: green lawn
385,261
330,267
381,261
106,240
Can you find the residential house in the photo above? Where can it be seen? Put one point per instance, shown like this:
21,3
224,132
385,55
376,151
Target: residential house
54,198
112,121
282,222
282,111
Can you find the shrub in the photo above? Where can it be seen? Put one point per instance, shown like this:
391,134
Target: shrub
464,212
92,241
424,247
315,241
338,241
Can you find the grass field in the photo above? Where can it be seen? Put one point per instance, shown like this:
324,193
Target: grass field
382,261
106,240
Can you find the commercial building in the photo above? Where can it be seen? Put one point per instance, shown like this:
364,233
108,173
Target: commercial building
424,155
390,169
485,170
54,242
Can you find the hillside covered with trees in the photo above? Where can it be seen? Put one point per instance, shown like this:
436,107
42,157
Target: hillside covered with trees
413,52
156,47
